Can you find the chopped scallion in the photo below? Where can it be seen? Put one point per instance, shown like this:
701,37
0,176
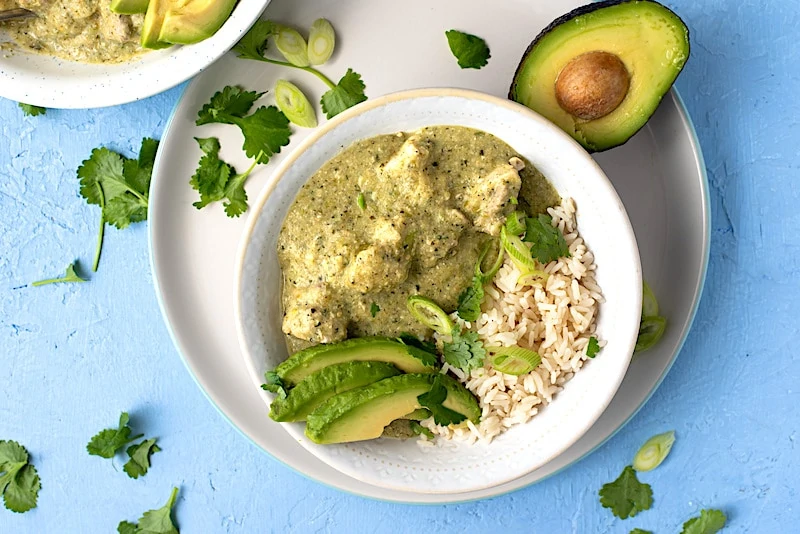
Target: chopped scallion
294,104
515,223
361,201
654,451
321,42
498,255
430,314
292,45
520,254
532,277
650,331
649,302
513,360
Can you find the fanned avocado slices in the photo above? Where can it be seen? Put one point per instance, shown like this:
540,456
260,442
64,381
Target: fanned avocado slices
600,71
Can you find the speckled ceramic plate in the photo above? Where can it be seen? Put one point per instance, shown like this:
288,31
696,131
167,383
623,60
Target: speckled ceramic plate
55,83
658,174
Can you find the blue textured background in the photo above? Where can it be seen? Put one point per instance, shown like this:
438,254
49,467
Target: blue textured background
74,356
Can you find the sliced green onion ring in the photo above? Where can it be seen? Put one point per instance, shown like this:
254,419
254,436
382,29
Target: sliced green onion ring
294,104
649,302
513,360
519,253
650,331
654,451
430,314
486,276
515,223
532,277
321,42
292,45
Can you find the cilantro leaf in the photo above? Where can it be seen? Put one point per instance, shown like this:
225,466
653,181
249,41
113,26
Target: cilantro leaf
69,276
123,210
470,50
213,180
465,352
433,400
640,531
592,348
31,110
140,455
347,93
255,42
374,309
274,383
424,351
236,196
470,300
265,132
626,496
107,442
708,522
159,521
232,101
548,241
19,482
126,527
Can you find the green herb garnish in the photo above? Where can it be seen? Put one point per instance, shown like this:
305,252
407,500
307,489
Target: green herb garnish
469,301
19,481
654,451
291,45
640,531
139,455
69,276
321,42
216,180
374,309
345,94
514,360
153,521
470,50
294,104
433,400
592,348
361,201
429,314
547,241
708,522
626,496
650,331
418,429
465,352
107,442
31,110
274,383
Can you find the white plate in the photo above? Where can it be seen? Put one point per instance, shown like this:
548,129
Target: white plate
454,466
659,175
55,83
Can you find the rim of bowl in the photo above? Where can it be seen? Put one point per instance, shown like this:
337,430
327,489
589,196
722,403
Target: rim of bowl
412,94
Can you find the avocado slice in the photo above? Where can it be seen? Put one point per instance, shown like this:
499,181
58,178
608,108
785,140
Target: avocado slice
417,415
195,20
600,71
129,7
153,20
363,413
318,387
407,358
460,399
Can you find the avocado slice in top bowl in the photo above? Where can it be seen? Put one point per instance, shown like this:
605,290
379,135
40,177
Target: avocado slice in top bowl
600,71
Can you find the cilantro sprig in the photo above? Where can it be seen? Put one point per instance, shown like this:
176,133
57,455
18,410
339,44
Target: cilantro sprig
465,351
469,301
547,241
339,97
69,276
433,400
592,348
107,443
626,496
216,180
32,111
708,522
157,521
19,481
139,455
274,383
470,50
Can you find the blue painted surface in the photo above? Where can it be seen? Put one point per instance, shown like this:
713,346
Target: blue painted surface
74,356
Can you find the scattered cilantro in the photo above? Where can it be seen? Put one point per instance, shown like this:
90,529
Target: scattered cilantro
424,351
119,185
216,180
274,384
153,521
418,429
339,97
469,301
31,110
592,348
640,531
69,276
626,496
548,241
139,455
465,352
232,101
374,309
346,94
19,482
433,400
470,50
708,522
107,442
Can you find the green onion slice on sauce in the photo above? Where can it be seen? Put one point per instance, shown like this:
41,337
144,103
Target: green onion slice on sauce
321,42
654,451
518,251
650,331
292,45
497,253
513,360
515,223
649,302
294,104
430,314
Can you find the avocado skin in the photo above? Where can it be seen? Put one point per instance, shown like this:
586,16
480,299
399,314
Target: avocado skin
318,387
577,12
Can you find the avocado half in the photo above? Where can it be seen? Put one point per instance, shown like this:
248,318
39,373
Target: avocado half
600,71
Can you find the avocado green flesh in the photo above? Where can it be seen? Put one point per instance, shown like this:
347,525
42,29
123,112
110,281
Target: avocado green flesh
153,20
195,21
363,413
418,415
382,349
129,7
324,384
461,400
651,41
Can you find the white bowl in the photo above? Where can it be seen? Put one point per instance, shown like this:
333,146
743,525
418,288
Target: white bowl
603,223
56,83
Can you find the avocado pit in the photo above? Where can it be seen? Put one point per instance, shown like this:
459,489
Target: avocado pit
592,85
